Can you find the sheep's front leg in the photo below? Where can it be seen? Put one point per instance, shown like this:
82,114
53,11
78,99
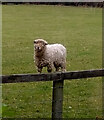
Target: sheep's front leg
39,69
49,67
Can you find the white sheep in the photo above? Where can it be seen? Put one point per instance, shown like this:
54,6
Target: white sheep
49,55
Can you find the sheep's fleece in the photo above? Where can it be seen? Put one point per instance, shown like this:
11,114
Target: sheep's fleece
49,55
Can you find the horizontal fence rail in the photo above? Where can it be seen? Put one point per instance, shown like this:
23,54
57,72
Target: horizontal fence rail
15,78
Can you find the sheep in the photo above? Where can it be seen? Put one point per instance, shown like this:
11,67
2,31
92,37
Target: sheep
49,55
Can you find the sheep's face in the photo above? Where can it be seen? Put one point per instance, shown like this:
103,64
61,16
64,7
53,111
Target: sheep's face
39,45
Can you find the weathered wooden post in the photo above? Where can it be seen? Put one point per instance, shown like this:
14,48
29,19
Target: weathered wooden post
57,99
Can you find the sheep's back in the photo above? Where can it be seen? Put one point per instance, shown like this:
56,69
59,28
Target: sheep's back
55,52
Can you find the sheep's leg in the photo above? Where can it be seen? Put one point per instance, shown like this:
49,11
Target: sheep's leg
63,70
40,69
49,67
57,69
63,67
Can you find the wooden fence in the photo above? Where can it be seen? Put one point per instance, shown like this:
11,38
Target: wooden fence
58,82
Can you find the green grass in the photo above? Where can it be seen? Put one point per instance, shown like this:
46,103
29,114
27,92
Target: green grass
79,29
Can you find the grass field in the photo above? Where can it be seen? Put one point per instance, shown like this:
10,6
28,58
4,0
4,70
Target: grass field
79,29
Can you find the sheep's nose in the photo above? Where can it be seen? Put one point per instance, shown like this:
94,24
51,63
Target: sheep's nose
37,48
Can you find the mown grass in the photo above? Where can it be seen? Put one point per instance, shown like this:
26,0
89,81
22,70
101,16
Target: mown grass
79,29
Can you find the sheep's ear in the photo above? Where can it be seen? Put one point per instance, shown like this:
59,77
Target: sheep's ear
46,43
35,41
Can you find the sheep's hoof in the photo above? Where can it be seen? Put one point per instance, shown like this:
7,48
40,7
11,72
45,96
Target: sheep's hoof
64,70
39,70
49,71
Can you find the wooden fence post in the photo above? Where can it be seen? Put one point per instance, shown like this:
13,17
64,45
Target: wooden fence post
57,99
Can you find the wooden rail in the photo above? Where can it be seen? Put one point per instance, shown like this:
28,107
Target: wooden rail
58,84
15,78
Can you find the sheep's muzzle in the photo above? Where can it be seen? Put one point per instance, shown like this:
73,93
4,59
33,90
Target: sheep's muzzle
37,48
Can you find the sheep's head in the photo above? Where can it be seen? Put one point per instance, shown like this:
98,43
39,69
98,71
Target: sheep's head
39,45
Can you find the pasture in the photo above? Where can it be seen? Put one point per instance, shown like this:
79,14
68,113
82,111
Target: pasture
79,29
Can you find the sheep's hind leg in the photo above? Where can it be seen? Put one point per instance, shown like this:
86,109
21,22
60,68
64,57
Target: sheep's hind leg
57,69
63,68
